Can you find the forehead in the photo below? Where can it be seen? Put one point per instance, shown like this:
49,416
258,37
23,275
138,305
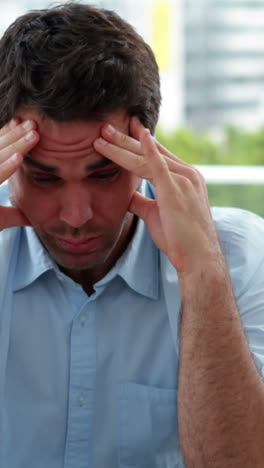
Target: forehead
72,139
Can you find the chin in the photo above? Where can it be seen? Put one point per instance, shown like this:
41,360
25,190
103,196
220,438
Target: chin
74,266
79,262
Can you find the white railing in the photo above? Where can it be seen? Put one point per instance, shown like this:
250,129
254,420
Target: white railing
232,174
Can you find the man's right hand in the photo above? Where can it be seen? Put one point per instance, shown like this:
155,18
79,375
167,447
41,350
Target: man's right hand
16,139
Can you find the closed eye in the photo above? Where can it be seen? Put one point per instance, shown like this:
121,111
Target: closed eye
105,174
50,179
39,179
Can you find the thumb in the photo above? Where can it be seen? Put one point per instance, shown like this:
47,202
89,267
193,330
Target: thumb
11,216
140,205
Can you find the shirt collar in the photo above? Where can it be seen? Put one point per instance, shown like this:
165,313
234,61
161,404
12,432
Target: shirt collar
33,259
138,266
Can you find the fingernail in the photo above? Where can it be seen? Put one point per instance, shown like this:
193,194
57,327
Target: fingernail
26,124
15,158
30,136
12,124
110,129
101,141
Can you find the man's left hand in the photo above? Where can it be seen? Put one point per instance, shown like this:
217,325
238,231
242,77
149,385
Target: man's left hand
179,220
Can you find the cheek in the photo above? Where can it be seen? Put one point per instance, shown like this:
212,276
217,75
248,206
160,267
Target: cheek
21,195
16,190
129,186
119,198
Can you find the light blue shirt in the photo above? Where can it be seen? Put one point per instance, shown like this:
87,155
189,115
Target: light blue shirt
91,382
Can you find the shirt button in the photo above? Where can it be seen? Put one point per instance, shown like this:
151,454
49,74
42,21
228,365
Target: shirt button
81,400
83,320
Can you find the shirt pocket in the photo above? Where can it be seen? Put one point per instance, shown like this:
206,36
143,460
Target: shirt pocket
148,427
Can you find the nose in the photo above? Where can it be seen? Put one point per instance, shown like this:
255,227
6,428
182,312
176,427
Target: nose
75,207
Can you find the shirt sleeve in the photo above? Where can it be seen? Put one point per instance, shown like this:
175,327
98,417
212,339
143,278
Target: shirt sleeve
241,235
251,307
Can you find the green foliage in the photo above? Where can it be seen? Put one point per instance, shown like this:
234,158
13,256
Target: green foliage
243,148
249,197
193,147
236,147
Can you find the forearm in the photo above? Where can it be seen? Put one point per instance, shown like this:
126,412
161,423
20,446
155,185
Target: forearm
221,395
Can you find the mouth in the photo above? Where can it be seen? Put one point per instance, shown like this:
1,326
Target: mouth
79,245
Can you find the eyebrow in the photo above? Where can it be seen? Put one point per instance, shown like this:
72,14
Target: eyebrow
44,167
100,164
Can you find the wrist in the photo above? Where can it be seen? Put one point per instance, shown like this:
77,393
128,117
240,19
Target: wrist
209,274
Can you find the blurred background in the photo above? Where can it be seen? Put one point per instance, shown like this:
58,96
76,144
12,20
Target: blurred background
211,59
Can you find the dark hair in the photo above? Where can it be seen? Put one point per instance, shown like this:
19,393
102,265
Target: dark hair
76,61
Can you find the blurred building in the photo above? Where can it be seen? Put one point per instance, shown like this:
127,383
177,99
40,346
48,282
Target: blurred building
224,63
211,56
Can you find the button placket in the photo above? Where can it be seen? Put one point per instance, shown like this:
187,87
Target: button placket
82,388
83,319
81,399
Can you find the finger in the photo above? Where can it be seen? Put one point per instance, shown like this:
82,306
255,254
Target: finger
170,155
8,167
126,142
159,168
9,126
16,133
11,216
130,161
135,127
23,145
120,139
140,205
187,171
132,149
172,164
134,162
133,144
175,164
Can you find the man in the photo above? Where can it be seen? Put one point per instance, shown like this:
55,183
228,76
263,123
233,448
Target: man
122,343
